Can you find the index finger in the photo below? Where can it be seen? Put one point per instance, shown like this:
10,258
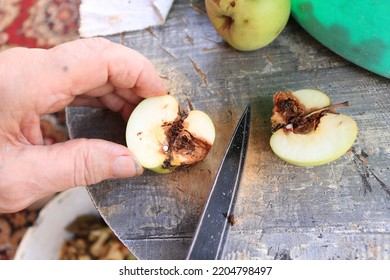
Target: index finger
81,66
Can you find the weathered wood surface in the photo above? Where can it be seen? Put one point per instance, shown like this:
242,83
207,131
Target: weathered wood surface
336,211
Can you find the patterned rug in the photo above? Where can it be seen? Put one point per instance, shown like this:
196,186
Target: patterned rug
42,24
38,23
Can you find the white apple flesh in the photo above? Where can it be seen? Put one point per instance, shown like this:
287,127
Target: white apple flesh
333,135
248,24
164,138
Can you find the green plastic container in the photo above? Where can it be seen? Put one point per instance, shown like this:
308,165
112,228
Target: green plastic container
358,30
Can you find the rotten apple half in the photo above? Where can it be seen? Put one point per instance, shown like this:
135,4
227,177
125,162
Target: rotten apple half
307,129
164,137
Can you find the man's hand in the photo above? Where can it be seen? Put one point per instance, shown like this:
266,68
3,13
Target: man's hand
33,82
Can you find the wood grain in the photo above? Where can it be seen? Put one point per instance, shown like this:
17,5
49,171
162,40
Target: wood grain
336,211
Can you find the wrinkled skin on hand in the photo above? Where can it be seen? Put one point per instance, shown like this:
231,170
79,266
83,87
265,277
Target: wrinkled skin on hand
88,72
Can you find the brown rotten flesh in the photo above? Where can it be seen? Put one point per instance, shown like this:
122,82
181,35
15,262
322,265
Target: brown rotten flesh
291,114
183,148
164,137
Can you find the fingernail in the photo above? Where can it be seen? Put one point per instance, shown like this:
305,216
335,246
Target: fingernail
126,166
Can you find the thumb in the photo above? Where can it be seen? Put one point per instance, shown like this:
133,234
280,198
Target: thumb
33,172
82,162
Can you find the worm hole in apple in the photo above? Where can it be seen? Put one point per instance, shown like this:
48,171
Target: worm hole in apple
228,22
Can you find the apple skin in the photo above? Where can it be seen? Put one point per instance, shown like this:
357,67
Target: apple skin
248,25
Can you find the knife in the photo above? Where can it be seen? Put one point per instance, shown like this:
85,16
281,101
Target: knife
212,230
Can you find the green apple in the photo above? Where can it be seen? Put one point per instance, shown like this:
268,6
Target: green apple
307,131
248,24
164,137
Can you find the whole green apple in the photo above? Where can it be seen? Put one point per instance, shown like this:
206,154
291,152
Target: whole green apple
248,25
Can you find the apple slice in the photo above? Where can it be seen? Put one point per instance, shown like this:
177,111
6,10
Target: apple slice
307,131
163,137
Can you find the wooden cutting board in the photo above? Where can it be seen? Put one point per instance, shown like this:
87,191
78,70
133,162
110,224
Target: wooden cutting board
336,211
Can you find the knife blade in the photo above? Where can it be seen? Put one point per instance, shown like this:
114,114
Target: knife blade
211,233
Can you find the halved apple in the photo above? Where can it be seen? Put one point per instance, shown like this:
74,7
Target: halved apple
307,131
164,137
